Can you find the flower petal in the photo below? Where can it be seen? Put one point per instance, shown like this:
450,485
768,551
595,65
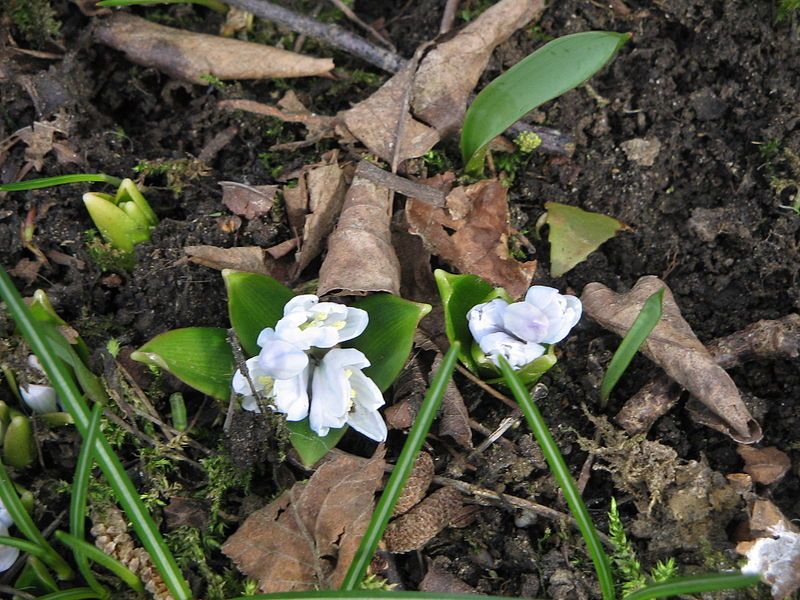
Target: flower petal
8,555
281,360
368,422
367,393
330,394
486,318
291,396
517,353
251,404
5,516
526,321
301,303
240,385
41,399
356,321
540,295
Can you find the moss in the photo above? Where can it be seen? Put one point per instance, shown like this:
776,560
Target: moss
35,19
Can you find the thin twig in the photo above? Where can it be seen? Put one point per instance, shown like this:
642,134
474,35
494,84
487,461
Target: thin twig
449,16
371,31
336,36
485,431
506,424
407,187
486,387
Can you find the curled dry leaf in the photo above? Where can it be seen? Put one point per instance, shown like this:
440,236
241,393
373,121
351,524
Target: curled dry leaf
419,526
417,484
361,258
448,73
673,346
307,537
454,418
248,201
764,465
409,390
251,259
478,216
191,56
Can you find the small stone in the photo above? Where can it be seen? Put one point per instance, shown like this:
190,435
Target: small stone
642,151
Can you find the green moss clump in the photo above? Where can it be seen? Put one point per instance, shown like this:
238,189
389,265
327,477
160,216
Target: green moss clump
35,19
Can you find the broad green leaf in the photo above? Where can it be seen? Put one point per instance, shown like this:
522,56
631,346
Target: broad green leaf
198,356
459,294
575,234
387,340
254,302
645,322
308,444
553,69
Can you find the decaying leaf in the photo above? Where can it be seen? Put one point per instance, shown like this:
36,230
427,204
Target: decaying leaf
673,346
764,465
307,537
193,56
248,201
251,259
327,186
478,216
417,484
454,418
409,390
360,256
374,121
419,526
575,234
296,201
448,73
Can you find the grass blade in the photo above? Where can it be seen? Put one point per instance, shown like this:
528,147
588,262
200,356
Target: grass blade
46,182
565,481
101,558
73,594
77,505
23,521
645,322
212,4
695,584
118,479
29,548
402,469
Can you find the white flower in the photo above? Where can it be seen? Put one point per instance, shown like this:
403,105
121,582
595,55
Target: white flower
8,555
288,396
308,322
342,394
775,559
279,358
41,399
486,318
517,353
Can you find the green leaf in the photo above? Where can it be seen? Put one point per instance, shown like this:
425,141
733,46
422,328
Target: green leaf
645,321
36,578
254,303
128,192
388,338
115,225
553,69
198,356
109,562
574,234
308,444
46,182
695,584
459,294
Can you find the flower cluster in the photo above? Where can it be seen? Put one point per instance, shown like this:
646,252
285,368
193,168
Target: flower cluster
518,331
287,369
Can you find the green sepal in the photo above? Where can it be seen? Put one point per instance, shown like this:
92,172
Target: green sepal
19,447
36,578
389,336
311,447
254,302
128,192
199,356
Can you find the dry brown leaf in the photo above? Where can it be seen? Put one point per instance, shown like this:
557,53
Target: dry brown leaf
307,537
764,465
296,201
251,259
419,526
360,257
478,215
191,56
374,121
448,73
327,186
453,418
409,390
248,201
27,269
419,480
673,346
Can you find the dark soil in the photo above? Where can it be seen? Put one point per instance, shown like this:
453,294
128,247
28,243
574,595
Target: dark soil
714,82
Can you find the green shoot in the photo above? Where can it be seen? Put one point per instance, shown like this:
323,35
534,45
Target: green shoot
73,594
648,318
124,220
697,584
212,4
115,473
46,182
178,410
112,564
565,481
664,571
416,437
626,563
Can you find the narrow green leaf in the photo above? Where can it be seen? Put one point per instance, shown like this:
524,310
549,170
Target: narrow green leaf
575,234
101,558
308,444
387,340
73,594
553,69
115,473
695,584
42,309
459,294
36,577
212,4
46,182
198,356
646,320
565,481
254,303
27,547
402,469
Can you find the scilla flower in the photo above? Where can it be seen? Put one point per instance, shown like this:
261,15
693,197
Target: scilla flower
41,399
8,555
288,396
341,394
307,322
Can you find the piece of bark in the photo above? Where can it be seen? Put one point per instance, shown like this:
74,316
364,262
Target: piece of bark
419,526
764,465
478,215
307,537
248,201
763,340
191,56
376,121
419,480
448,73
327,186
360,256
673,346
453,418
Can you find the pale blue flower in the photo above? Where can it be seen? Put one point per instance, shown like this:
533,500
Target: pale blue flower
8,555
41,399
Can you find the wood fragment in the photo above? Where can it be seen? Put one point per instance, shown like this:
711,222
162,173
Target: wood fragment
448,16
407,187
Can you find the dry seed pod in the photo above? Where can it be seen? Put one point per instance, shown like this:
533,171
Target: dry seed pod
111,535
416,528
417,485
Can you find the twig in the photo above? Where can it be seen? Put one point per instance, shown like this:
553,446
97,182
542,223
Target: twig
411,189
483,430
336,36
365,26
486,387
449,16
553,140
506,424
399,131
